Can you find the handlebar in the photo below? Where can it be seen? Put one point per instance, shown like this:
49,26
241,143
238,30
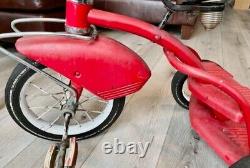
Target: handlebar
192,5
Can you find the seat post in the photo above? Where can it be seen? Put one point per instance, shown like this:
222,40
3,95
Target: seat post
76,16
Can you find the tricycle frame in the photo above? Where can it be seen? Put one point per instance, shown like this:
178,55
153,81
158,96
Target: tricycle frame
80,16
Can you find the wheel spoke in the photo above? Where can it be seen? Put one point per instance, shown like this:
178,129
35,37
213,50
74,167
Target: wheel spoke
50,87
42,94
77,122
33,95
49,109
103,101
90,98
57,118
81,110
87,99
86,112
89,111
43,107
98,112
42,90
88,116
39,107
57,93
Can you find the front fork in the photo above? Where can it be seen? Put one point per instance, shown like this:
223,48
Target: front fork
57,155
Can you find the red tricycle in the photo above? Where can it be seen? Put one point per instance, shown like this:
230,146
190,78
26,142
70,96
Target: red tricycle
87,73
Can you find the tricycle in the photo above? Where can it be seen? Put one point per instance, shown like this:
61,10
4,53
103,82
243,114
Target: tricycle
91,74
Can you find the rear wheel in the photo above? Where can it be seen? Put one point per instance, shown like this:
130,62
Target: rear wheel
243,163
35,103
180,91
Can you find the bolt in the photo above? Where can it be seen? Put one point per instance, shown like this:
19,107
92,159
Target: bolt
157,37
77,74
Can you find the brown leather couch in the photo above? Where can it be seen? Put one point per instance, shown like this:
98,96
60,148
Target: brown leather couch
13,9
148,10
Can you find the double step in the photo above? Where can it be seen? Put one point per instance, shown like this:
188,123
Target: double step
217,99
227,136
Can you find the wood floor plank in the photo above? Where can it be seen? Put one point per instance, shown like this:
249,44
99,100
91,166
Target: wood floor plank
14,140
208,44
235,49
6,67
159,121
182,150
242,19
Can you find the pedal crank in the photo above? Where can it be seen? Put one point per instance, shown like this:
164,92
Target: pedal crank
63,154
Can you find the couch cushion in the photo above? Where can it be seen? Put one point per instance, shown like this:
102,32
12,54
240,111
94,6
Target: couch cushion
31,4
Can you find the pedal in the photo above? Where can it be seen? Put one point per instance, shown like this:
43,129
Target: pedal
53,155
50,158
63,154
71,157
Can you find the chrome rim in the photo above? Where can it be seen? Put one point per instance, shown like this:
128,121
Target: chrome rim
185,91
41,102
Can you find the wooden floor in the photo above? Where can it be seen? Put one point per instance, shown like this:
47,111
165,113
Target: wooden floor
150,115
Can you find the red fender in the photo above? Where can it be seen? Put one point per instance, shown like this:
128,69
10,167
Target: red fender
103,66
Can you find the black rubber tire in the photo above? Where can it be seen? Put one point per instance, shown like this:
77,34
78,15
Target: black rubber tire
176,88
12,94
242,163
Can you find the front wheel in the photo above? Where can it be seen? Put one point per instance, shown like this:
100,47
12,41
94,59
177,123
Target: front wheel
180,91
35,103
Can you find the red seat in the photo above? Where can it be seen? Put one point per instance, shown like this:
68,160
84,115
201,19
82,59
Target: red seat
217,99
